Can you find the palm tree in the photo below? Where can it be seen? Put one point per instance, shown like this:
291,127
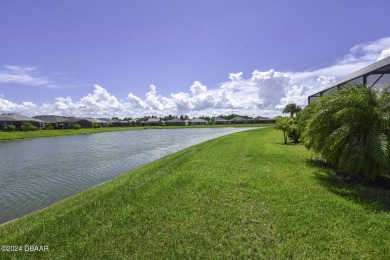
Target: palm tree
284,124
293,109
350,129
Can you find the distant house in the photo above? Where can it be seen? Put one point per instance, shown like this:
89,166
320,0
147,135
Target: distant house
152,122
198,121
84,122
122,123
126,123
55,121
70,122
175,122
115,122
4,121
220,121
97,121
241,120
17,120
264,120
131,122
237,120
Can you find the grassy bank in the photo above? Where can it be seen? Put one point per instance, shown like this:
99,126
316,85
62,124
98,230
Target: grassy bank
52,133
245,195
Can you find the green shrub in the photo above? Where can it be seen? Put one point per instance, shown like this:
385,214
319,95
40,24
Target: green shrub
10,128
291,129
76,126
28,127
350,130
96,125
284,123
49,126
294,132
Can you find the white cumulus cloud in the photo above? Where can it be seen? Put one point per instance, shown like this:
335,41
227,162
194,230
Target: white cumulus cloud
263,93
384,54
271,85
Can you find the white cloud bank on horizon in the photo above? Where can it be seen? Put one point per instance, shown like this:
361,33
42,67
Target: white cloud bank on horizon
265,93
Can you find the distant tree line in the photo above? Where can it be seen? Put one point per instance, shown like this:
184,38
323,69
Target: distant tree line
137,121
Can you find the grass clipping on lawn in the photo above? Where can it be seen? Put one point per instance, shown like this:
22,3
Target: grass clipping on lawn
245,195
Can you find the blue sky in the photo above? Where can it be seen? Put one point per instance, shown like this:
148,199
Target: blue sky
135,58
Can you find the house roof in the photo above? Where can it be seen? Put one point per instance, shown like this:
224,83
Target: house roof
216,119
108,120
237,118
378,68
152,119
94,120
89,119
51,118
175,120
72,120
262,118
105,119
18,117
198,120
7,119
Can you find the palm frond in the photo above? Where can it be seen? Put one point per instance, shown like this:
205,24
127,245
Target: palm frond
350,129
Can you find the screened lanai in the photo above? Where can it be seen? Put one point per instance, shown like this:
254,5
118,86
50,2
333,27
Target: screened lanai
376,75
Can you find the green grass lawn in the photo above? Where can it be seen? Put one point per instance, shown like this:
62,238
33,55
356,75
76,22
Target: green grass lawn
244,195
60,132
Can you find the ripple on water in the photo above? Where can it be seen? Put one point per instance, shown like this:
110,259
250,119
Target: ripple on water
38,172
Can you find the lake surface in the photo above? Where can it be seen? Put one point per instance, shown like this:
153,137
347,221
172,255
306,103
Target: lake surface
35,173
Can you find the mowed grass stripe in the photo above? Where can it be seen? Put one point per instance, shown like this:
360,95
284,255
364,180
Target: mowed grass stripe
243,195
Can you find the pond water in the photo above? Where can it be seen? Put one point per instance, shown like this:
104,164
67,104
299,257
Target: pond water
35,173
